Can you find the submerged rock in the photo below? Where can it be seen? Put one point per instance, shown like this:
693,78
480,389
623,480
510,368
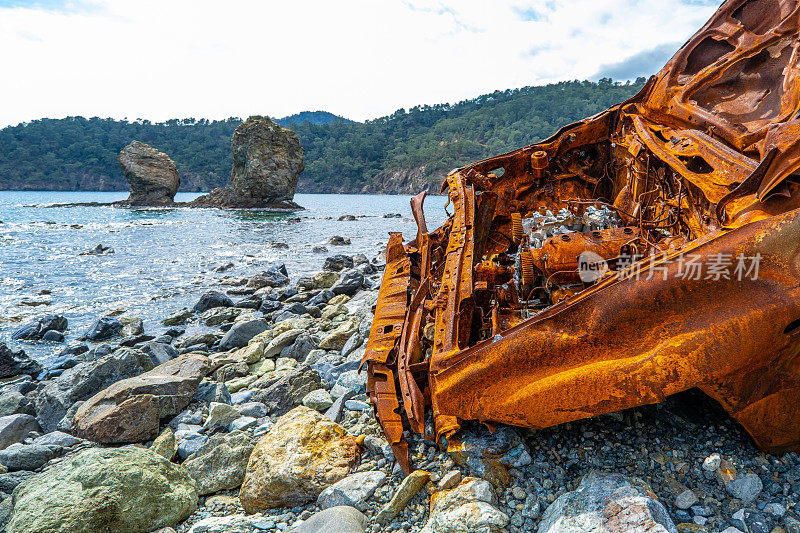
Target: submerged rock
151,174
127,489
291,465
267,162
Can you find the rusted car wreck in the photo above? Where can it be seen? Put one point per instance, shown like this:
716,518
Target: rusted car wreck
644,251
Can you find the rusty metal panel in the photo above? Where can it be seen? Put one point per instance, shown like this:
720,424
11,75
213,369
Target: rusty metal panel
641,252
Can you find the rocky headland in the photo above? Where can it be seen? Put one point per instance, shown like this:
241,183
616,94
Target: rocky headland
261,423
267,162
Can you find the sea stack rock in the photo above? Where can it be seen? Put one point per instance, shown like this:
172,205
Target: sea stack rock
267,162
151,174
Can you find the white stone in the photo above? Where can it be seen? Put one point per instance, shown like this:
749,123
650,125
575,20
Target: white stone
470,507
220,414
712,462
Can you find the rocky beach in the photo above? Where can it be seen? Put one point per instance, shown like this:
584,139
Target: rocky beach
261,423
200,371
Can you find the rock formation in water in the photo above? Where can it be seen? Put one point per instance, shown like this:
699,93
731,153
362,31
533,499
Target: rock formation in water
267,162
151,174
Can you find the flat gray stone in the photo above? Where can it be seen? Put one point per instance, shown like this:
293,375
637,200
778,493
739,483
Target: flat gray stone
354,490
341,519
57,438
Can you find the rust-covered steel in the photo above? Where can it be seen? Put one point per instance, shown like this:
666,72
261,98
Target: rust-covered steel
687,197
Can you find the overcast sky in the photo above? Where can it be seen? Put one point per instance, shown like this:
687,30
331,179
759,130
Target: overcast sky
160,59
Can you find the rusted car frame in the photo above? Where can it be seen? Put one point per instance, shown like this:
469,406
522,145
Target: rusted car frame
491,317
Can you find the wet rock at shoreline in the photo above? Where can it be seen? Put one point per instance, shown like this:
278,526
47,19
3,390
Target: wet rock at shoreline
152,176
16,363
102,329
301,455
267,162
338,262
126,489
350,282
272,277
242,332
208,300
338,240
36,329
178,318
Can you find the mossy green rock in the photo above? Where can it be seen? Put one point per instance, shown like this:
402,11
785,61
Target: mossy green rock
128,489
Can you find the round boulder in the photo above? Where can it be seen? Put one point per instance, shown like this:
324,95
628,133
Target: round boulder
128,489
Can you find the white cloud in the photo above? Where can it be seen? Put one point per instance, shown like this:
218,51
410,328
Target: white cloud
159,59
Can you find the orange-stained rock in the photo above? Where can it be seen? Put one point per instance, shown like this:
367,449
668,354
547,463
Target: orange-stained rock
302,454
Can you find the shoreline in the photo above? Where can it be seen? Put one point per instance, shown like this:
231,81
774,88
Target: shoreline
123,204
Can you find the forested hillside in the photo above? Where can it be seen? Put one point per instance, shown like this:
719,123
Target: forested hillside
397,153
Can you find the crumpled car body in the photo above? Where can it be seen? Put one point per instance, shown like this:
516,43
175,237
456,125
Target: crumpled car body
644,251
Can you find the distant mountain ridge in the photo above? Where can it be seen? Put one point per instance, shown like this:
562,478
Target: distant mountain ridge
404,152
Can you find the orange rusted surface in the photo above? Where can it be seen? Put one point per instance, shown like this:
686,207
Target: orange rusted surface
644,251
